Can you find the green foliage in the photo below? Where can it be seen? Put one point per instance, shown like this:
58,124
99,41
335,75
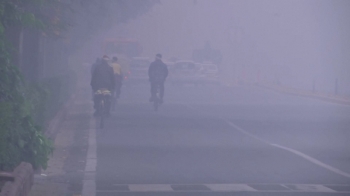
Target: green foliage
37,98
34,147
95,16
47,96
20,138
24,108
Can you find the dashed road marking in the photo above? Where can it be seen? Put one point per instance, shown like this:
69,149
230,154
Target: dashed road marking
311,188
150,187
229,187
224,188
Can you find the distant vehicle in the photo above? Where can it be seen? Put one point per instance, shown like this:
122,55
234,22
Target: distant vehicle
139,69
184,72
210,72
207,53
169,64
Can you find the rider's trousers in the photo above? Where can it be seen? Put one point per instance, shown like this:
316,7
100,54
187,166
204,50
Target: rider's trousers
154,86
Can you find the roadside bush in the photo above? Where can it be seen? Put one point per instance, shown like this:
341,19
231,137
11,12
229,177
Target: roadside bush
26,108
47,96
20,138
59,90
22,121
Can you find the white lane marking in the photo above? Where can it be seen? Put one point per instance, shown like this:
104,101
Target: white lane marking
307,157
230,187
246,132
313,160
150,187
89,184
301,188
312,188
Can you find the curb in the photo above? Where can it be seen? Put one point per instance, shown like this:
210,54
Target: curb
309,94
89,183
54,124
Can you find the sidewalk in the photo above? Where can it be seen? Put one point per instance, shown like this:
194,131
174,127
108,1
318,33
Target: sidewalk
316,95
65,172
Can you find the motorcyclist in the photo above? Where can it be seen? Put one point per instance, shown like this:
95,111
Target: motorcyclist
157,73
102,80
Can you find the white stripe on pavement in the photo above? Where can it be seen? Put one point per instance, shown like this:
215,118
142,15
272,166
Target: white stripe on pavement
313,160
313,188
307,157
150,187
229,187
223,188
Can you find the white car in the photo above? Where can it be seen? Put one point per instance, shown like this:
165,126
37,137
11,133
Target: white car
184,72
210,73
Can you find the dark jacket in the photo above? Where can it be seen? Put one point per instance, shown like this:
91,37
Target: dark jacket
157,71
103,77
93,66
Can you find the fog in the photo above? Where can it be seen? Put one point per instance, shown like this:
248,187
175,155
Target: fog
296,43
175,97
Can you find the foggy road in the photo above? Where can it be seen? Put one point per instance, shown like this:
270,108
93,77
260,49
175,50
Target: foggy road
216,140
257,97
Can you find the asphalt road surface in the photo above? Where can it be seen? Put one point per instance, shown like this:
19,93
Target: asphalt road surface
216,140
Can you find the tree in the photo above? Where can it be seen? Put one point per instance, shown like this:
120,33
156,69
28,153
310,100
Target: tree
21,139
93,16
